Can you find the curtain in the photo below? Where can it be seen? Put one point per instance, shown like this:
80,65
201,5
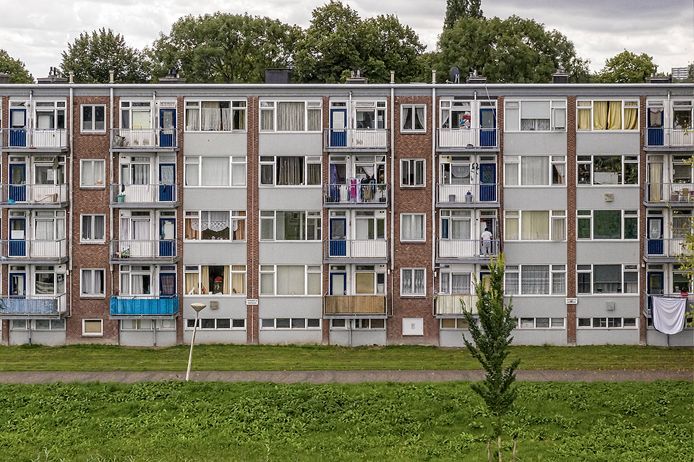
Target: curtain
99,232
168,230
267,119
238,173
168,284
192,119
535,279
239,225
511,228
225,285
141,230
600,115
290,279
192,283
45,284
655,117
138,284
558,173
412,227
655,177
460,229
205,279
558,283
607,279
290,117
419,282
238,279
226,119
313,174
215,221
140,174
558,229
192,174
192,226
407,124
511,177
534,170
211,116
535,225
460,174
215,171
364,283
314,120
407,282
584,119
141,120
445,119
419,118
290,170
630,118
615,115
44,230
460,283
511,283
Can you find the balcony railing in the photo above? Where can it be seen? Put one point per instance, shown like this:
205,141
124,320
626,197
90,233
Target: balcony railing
123,251
670,137
468,248
356,193
34,194
467,138
32,306
354,305
356,139
467,194
666,247
133,306
670,193
34,249
34,138
357,248
151,138
122,195
452,304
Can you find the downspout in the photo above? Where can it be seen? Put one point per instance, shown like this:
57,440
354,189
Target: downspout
392,188
71,225
110,182
30,120
434,134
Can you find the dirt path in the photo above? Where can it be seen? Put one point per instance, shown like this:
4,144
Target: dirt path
341,376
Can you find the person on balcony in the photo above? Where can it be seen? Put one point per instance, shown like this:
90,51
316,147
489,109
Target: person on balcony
486,238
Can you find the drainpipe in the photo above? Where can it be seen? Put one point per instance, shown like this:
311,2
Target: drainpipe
434,187
70,212
30,120
392,194
109,163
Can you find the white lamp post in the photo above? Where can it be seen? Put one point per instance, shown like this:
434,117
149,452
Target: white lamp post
198,307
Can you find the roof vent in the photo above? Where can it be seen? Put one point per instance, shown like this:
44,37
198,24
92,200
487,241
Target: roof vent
560,76
356,77
278,75
54,76
172,77
475,78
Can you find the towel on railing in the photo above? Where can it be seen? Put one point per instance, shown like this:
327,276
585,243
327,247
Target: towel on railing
669,314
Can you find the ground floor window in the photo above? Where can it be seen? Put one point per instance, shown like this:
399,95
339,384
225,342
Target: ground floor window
217,324
290,323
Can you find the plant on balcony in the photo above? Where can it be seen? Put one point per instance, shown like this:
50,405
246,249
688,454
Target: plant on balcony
491,339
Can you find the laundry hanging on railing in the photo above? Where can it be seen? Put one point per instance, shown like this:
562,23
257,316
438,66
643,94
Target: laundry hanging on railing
669,314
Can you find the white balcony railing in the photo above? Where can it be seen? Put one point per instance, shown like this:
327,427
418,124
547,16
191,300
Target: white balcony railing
357,248
142,193
128,250
356,192
356,139
452,304
670,137
467,193
20,138
673,247
470,138
467,248
124,138
34,194
673,193
34,249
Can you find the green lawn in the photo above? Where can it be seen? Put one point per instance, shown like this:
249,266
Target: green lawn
247,357
175,421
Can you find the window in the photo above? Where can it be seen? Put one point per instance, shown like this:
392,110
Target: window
607,279
456,115
456,224
413,282
290,170
535,225
290,280
607,224
49,324
220,116
455,283
453,323
607,115
369,225
412,227
136,115
49,115
682,170
93,118
49,280
136,280
290,323
49,226
217,324
531,115
413,117
535,170
215,279
540,323
290,116
535,280
412,172
92,328
607,323
611,170
92,283
93,229
92,173
368,115
215,225
369,324
202,171
290,226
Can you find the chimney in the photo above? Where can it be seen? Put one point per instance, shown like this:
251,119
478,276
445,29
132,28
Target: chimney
4,78
356,77
475,79
560,76
111,76
71,77
171,77
660,79
54,76
392,76
280,75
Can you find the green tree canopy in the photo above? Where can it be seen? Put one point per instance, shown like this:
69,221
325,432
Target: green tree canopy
93,55
225,48
339,41
14,68
512,50
457,9
627,67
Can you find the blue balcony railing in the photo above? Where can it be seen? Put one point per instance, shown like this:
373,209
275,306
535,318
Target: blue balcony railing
129,306
14,306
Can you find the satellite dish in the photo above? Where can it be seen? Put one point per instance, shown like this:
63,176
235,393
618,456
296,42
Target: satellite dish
454,75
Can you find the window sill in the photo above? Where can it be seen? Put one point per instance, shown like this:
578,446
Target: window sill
92,132
92,242
92,335
93,187
93,297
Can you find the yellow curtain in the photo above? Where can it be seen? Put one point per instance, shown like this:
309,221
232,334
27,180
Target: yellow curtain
615,115
192,281
655,175
584,119
205,279
364,283
191,233
599,115
225,286
238,280
630,118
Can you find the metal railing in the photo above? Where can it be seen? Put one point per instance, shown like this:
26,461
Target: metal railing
466,193
34,249
354,305
670,137
143,306
32,306
468,248
673,247
129,250
142,193
356,139
673,193
33,194
355,192
452,304
35,138
124,138
356,248
467,138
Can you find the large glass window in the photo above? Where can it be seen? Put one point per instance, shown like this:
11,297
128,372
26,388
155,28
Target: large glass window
290,225
215,115
607,115
412,227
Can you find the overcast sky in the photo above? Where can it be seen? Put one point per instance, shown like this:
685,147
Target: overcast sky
36,31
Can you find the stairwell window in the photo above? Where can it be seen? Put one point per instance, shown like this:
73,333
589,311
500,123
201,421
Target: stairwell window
93,118
412,173
92,283
92,173
412,227
413,117
93,229
413,282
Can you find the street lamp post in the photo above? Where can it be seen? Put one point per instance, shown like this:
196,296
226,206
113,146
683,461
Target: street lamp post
198,307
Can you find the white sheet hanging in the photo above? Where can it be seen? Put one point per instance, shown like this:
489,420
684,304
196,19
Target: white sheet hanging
669,314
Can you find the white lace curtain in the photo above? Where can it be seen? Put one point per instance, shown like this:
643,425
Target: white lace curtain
535,279
214,117
213,221
290,117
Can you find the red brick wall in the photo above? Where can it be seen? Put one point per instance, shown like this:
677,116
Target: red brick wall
643,321
571,217
252,220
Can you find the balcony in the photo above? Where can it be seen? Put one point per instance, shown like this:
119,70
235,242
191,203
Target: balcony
471,250
45,140
354,305
361,250
143,195
34,251
34,195
356,194
689,297
135,307
450,304
665,249
672,194
142,251
150,139
668,138
32,307
467,139
467,195
356,140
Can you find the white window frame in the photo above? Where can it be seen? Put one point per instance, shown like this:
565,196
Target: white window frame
186,325
424,227
588,104
92,334
412,277
93,120
607,322
91,274
97,185
625,269
291,327
552,215
233,269
589,159
233,108
92,229
54,325
516,272
234,215
308,216
413,107
198,160
550,326
588,215
308,160
272,105
518,177
309,271
411,164
555,107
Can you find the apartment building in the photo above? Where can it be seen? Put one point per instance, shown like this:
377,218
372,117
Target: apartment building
350,214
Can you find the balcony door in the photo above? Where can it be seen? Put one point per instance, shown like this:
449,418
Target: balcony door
18,227
488,127
135,179
167,237
338,283
655,236
488,182
655,126
17,284
18,178
18,132
167,182
338,236
167,284
338,127
167,128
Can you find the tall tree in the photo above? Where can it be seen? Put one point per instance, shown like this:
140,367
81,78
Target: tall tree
491,339
225,47
93,55
14,68
627,67
457,9
510,50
